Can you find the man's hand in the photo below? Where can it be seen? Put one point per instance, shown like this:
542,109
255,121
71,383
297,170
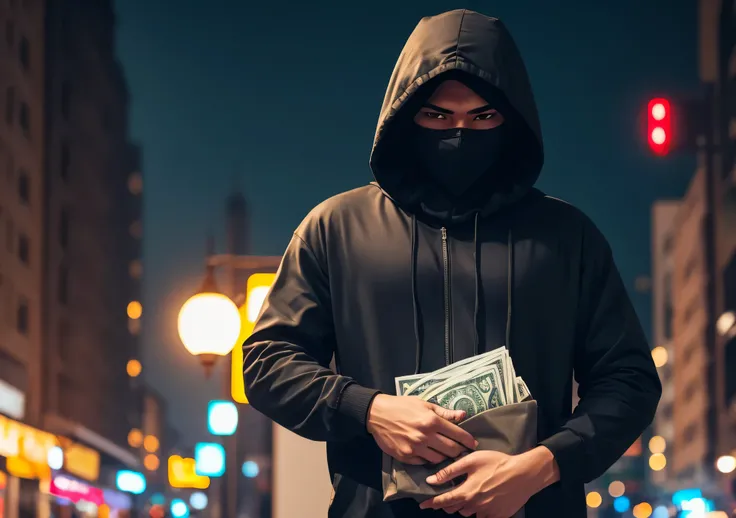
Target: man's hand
416,432
497,485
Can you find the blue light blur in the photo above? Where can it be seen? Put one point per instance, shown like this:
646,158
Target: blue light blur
684,495
130,481
209,459
222,417
198,501
250,469
621,504
661,512
179,508
158,499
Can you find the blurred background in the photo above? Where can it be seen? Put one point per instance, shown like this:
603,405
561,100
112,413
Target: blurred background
155,157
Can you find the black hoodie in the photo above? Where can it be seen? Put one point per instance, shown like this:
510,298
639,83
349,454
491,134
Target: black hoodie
391,279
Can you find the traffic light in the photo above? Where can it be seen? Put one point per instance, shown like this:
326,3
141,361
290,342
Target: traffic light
659,126
257,288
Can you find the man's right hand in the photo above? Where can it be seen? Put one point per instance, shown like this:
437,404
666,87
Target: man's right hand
414,431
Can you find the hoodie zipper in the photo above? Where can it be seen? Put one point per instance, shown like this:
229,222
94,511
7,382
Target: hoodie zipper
448,313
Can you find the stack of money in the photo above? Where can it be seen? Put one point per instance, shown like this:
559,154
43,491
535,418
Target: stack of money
474,385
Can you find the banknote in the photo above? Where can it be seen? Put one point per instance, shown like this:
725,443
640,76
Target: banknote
473,393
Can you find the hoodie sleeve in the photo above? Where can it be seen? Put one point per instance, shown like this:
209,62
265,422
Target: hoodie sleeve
286,359
619,387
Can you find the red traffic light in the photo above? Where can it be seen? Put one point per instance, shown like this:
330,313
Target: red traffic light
659,126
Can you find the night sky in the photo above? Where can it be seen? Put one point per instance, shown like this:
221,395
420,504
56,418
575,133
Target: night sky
282,102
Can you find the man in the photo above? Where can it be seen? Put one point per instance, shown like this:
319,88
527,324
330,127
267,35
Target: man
452,252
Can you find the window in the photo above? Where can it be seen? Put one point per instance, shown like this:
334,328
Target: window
24,53
63,340
63,285
24,187
66,99
690,431
24,249
65,161
9,105
10,33
24,118
9,235
21,323
64,228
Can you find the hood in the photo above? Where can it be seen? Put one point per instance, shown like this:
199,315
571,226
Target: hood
479,51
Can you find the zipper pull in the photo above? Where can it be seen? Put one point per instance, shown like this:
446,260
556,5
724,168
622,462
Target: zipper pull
444,234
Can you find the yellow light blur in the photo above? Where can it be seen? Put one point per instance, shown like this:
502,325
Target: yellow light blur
183,474
135,310
593,499
657,444
19,468
103,511
209,323
726,464
616,488
255,292
151,444
660,356
657,462
135,438
134,368
150,462
642,510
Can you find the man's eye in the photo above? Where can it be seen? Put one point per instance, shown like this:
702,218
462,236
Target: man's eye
434,115
485,116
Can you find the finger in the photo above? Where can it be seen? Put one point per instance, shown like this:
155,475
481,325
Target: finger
459,467
468,510
454,509
453,498
451,415
457,434
430,455
445,446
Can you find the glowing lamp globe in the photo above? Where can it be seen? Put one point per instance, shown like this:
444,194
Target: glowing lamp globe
209,326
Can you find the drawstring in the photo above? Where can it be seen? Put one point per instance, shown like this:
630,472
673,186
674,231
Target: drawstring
476,311
414,295
477,284
509,289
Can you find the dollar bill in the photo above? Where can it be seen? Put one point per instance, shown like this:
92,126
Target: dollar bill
522,389
473,393
419,383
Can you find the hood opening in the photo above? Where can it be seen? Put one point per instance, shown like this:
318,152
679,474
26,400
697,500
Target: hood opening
478,51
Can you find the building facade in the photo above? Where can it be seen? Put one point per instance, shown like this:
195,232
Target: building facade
22,199
94,186
664,218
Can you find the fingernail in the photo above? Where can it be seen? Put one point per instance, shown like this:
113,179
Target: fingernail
432,479
476,445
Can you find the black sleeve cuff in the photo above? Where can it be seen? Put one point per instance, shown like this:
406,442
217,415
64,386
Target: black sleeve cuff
355,403
567,448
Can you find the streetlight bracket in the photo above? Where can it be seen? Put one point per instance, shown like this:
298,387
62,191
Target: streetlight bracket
208,362
209,284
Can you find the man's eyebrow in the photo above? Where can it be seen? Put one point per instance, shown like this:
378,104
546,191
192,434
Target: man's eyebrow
438,108
481,109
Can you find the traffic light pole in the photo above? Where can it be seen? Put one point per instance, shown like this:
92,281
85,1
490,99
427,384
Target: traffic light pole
233,264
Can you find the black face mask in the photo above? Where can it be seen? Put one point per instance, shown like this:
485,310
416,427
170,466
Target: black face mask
456,158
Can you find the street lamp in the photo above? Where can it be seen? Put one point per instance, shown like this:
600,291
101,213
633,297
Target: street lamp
209,323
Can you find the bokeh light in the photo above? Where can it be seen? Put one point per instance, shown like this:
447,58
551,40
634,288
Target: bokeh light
151,462
135,438
657,444
594,499
135,310
151,444
657,462
660,356
616,488
134,368
642,510
726,464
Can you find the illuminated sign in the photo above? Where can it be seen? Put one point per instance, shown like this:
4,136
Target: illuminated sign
222,417
255,294
12,401
26,449
130,481
82,461
210,459
183,474
75,490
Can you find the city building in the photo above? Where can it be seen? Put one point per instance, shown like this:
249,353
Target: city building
94,229
664,217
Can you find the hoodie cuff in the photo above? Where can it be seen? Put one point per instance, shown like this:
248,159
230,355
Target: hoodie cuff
355,403
567,448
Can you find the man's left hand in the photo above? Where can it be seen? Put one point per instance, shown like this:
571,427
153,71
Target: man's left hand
497,485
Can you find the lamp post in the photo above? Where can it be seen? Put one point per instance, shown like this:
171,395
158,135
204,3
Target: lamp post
209,326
